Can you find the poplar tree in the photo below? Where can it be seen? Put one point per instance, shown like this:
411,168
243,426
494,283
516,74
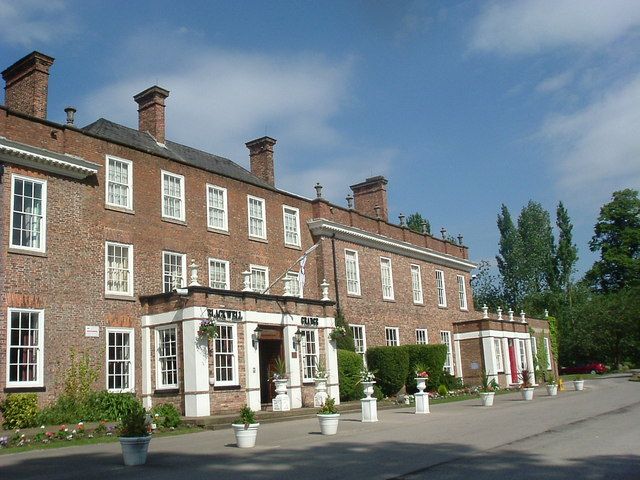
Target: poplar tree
567,252
507,257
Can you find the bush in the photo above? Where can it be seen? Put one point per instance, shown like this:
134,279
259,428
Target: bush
346,342
349,367
443,391
134,422
64,410
109,406
431,356
168,415
19,410
391,367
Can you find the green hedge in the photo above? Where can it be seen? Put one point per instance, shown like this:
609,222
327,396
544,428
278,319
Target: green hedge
349,367
19,410
101,405
431,356
391,366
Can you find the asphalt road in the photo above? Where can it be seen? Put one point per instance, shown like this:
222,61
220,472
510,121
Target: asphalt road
594,434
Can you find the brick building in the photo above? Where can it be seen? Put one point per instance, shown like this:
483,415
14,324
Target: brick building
119,242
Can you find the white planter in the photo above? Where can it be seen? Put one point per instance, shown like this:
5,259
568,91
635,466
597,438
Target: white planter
321,392
487,398
328,423
552,389
578,385
245,434
281,403
134,450
527,393
281,386
421,382
368,389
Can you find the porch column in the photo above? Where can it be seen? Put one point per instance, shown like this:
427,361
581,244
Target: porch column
331,358
196,370
529,353
293,364
147,401
458,359
489,352
252,366
506,359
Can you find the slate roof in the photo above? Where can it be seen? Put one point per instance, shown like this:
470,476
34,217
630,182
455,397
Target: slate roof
180,153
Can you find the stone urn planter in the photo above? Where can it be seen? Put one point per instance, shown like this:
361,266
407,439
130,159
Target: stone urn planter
421,383
134,450
487,398
281,402
321,392
552,389
578,385
368,388
245,434
527,393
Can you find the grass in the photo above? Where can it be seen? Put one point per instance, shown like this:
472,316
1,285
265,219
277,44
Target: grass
583,376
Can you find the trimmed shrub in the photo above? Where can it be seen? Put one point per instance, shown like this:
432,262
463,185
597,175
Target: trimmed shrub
391,367
110,406
349,367
346,342
168,415
443,391
431,356
19,410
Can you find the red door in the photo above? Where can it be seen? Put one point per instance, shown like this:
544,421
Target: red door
513,362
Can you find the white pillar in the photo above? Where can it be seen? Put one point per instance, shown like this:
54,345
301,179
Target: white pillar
530,366
251,366
147,401
506,359
196,371
489,353
293,365
332,365
458,357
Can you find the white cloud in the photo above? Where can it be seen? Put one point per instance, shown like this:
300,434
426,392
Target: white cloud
555,83
28,22
529,26
597,149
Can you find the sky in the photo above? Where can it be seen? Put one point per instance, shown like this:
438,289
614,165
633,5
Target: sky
461,105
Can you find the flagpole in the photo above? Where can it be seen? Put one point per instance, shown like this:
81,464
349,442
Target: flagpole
311,249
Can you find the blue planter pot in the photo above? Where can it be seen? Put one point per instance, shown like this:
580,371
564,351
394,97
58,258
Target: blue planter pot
134,450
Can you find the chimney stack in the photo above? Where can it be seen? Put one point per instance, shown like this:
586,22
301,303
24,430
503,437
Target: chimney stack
370,194
151,112
261,156
27,85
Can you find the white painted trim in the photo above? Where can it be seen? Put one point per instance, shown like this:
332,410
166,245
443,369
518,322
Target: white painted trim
364,336
43,227
458,361
253,267
450,352
440,278
387,260
147,401
327,228
227,272
39,349
461,281
297,215
489,333
397,335
357,263
225,227
416,268
132,359
264,217
107,167
183,194
426,336
129,292
234,373
159,384
183,264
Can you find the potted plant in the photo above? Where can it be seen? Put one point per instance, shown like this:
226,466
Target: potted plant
245,428
552,386
279,377
328,417
321,385
135,431
487,389
578,383
367,379
526,387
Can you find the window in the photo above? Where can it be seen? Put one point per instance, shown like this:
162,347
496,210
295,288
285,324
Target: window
174,267
359,339
548,347
119,183
28,213
118,269
386,277
256,217
462,293
497,347
291,221
219,274
167,358
416,283
353,272
226,355
534,346
445,337
294,284
421,336
391,336
217,207
172,196
522,351
120,360
25,348
442,296
259,278
309,355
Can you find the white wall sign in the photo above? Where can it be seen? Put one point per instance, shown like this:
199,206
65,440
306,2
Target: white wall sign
91,331
474,366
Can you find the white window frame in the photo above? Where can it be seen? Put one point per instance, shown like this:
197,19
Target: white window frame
294,212
462,292
499,357
43,215
39,348
441,289
356,273
227,284
445,337
263,233
392,336
359,341
386,281
129,292
233,354
295,288
308,355
132,359
128,185
225,210
183,265
547,345
254,268
534,346
422,332
416,285
522,355
160,385
181,199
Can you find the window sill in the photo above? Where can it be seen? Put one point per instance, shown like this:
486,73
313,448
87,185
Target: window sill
12,389
419,304
126,298
217,230
223,388
115,208
258,239
354,295
292,247
166,391
389,300
32,253
443,307
175,221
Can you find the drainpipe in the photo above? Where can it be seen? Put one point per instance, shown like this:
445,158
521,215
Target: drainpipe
335,270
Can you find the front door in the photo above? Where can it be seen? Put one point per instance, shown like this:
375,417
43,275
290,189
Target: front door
513,361
270,350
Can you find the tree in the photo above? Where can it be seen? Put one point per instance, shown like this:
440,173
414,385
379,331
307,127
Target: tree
566,253
617,238
507,257
416,221
485,287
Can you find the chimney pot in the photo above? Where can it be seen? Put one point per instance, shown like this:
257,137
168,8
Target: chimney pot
261,157
27,84
151,111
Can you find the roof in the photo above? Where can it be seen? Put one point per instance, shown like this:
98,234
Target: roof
180,153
